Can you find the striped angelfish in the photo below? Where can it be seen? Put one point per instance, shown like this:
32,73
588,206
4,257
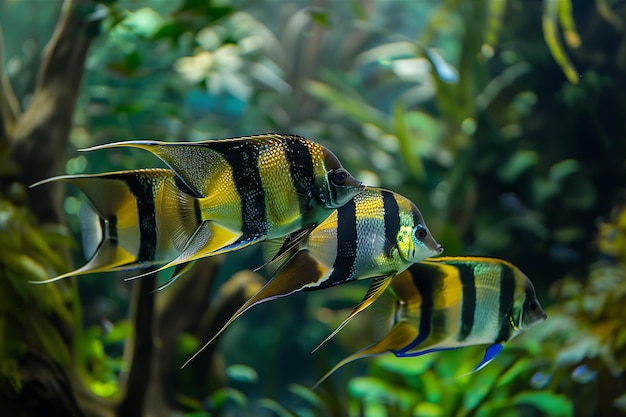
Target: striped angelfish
245,190
453,302
122,225
377,234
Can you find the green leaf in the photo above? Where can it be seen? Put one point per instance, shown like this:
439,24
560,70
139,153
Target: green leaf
356,110
222,395
169,31
121,331
310,396
400,126
555,405
551,36
275,407
242,373
518,164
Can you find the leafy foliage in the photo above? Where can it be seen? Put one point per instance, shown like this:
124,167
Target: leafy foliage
27,311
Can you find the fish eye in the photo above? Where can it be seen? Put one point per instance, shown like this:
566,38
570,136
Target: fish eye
533,305
420,232
339,176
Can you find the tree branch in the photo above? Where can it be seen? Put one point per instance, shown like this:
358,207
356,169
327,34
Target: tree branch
9,107
139,350
41,133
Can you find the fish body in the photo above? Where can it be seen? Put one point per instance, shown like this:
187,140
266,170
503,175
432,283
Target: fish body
377,234
123,226
249,189
453,302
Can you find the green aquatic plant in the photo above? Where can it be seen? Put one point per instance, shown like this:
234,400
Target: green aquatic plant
32,318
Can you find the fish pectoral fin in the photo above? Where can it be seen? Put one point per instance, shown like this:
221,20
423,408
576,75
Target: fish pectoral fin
299,272
277,252
398,337
204,243
377,287
179,271
108,257
490,354
181,214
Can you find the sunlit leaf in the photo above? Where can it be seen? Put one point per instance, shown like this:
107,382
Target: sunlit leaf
551,36
242,373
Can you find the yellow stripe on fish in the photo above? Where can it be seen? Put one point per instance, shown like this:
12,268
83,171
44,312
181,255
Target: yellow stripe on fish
377,234
248,189
453,302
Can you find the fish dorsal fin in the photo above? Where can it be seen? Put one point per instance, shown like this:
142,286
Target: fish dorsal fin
301,270
378,286
181,214
107,256
193,162
399,336
277,252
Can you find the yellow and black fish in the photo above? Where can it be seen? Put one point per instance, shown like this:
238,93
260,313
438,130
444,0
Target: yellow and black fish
123,225
453,302
375,235
247,189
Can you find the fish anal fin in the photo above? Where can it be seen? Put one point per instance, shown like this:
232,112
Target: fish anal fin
377,287
399,336
300,271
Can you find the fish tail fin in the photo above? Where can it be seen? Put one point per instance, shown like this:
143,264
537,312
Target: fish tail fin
110,229
107,257
93,230
182,214
377,287
400,336
300,271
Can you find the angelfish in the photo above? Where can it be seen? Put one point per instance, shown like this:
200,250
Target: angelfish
453,302
377,234
123,225
246,190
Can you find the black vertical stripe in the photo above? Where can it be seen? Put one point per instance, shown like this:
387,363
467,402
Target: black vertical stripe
468,307
300,168
507,294
343,267
243,159
143,190
424,279
392,219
